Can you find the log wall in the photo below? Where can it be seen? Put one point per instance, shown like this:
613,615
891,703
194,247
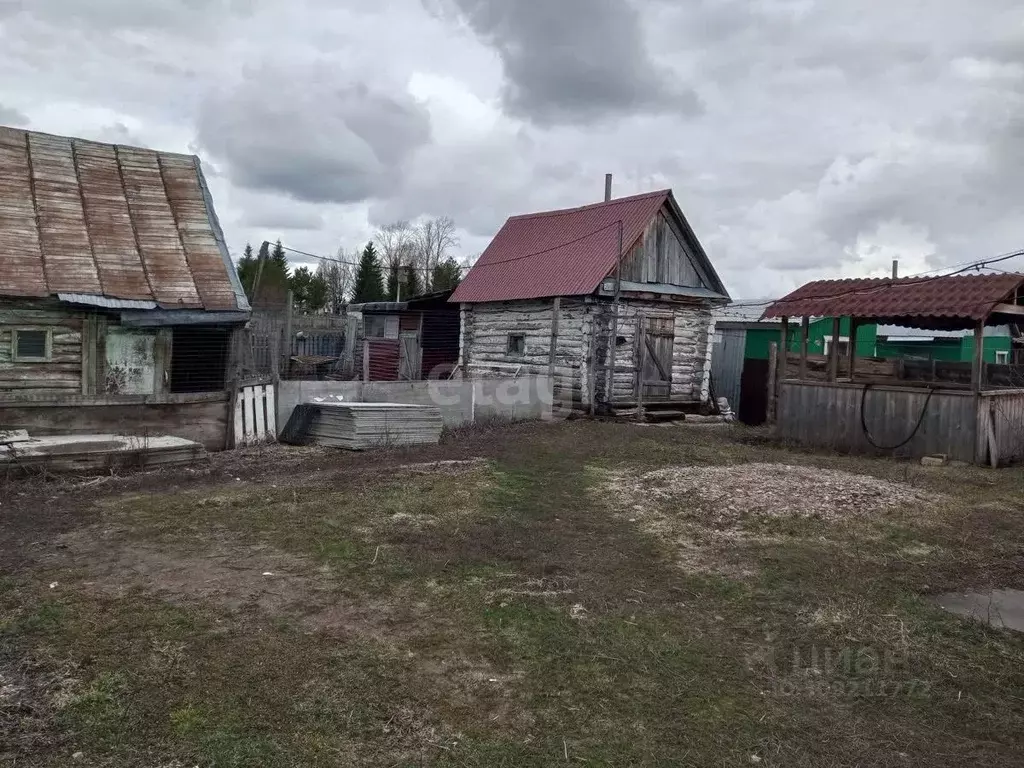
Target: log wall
62,374
582,349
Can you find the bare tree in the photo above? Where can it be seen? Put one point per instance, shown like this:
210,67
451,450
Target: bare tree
396,243
338,279
434,239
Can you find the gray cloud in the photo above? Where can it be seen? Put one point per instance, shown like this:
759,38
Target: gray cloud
575,61
294,131
13,117
832,135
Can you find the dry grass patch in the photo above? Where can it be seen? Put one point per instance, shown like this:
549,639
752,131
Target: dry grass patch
701,508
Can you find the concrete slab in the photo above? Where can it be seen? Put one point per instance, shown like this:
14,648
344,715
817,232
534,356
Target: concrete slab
1001,608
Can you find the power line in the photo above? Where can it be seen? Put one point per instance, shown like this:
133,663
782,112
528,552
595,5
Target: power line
356,263
885,283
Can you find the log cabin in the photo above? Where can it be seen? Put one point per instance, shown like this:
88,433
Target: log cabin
614,300
118,298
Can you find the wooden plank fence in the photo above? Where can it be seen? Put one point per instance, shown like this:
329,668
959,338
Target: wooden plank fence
255,415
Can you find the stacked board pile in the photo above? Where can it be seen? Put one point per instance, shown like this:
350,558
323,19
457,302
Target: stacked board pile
96,453
358,426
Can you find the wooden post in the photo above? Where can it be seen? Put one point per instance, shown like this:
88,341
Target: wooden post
592,362
642,336
287,351
978,368
773,380
783,351
556,307
852,351
805,326
833,352
89,354
366,360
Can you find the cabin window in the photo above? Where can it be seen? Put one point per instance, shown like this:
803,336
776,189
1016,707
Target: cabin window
381,326
1002,358
32,345
516,344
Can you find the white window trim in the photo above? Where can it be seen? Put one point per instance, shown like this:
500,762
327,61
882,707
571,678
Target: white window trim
828,342
48,355
1002,357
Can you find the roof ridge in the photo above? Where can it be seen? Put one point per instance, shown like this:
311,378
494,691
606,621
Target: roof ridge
80,140
589,206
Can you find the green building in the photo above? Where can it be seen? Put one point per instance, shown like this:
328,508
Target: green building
944,346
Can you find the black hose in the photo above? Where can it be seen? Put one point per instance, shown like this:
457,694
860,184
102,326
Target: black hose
913,433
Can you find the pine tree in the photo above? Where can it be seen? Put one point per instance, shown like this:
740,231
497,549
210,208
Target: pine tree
279,259
369,279
309,290
247,270
412,283
446,275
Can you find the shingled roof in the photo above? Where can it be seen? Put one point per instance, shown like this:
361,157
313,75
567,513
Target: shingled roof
564,252
948,302
110,222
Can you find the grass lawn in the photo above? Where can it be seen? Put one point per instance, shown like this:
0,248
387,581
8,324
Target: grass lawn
578,593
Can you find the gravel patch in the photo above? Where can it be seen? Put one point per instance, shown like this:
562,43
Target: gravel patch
704,512
726,496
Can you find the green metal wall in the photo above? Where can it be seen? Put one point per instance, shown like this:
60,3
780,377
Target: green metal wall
759,340
946,350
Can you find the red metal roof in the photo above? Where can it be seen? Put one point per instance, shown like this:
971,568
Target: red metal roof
558,253
109,221
955,301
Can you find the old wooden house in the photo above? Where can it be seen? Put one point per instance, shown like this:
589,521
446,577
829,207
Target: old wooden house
614,300
118,299
403,340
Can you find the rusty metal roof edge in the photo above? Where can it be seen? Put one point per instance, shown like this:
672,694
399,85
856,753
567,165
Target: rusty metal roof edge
241,300
106,302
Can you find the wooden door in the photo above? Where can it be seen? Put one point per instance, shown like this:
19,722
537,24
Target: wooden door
409,357
657,338
753,405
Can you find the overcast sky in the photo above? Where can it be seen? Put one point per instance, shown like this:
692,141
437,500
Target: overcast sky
803,138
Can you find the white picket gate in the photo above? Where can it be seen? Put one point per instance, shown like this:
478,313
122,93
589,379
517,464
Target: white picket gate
255,415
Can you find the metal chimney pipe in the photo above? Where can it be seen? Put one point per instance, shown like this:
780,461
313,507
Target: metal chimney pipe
895,268
607,187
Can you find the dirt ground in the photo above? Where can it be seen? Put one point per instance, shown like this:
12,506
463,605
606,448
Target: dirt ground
578,593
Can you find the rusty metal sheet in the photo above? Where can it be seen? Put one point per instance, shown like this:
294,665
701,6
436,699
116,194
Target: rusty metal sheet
80,217
558,253
202,251
22,273
67,254
109,223
951,301
162,251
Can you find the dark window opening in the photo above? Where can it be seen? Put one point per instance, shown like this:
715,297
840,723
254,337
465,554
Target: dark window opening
621,341
516,344
199,358
31,345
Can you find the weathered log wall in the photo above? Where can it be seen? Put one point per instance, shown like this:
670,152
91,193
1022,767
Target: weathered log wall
582,351
62,373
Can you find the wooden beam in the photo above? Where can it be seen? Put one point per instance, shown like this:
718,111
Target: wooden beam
783,350
1008,309
805,327
833,352
852,351
978,364
556,307
642,330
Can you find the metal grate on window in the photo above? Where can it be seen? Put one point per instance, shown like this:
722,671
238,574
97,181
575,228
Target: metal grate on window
30,345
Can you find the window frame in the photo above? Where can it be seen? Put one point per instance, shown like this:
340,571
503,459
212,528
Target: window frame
522,344
1005,355
48,345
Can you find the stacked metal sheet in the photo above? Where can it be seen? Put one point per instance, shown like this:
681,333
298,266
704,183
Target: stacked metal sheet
358,426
